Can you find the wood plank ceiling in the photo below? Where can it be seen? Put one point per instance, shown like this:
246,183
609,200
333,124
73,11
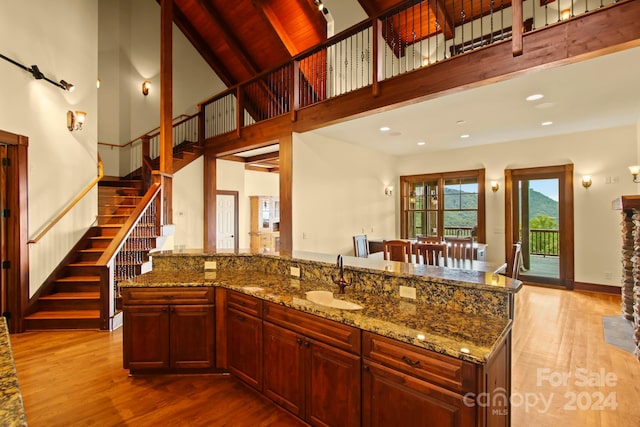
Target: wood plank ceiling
242,38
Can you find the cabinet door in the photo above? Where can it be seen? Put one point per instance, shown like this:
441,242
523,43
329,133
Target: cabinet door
146,337
283,368
244,346
192,336
391,398
333,385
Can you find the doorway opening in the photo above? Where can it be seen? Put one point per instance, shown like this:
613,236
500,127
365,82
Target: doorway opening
539,214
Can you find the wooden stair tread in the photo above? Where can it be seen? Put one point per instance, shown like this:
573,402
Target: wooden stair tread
74,279
71,295
91,250
66,314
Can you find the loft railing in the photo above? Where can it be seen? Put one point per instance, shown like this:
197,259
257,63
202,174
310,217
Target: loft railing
412,36
128,251
185,129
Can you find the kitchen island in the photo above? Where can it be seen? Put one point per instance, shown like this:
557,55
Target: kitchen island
436,350
11,407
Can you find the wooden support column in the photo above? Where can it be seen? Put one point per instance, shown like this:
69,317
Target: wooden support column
209,214
166,106
286,191
516,27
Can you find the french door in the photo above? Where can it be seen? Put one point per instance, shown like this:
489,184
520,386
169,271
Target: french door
539,214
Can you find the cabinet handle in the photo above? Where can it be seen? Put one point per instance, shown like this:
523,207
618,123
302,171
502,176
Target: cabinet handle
240,317
299,341
365,367
307,343
164,309
410,362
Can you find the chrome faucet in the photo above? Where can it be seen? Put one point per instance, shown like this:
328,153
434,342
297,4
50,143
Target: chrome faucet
340,280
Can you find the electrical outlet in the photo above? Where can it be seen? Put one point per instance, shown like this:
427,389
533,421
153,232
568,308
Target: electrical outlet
295,271
209,265
407,292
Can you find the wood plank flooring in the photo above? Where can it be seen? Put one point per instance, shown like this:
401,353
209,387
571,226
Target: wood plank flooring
76,378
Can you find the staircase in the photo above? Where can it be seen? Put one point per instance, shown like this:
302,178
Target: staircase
70,299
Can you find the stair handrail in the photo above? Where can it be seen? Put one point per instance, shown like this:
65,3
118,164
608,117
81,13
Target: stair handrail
155,131
120,237
70,206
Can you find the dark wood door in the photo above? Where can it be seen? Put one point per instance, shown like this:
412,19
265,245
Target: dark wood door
146,337
192,336
332,385
391,398
283,368
244,346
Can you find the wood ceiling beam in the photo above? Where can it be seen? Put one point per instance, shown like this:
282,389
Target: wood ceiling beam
262,158
230,40
279,30
441,11
202,47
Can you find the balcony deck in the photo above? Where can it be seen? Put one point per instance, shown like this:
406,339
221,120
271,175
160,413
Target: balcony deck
544,266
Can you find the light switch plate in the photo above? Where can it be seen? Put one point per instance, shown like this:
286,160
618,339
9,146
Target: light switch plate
209,265
295,271
407,292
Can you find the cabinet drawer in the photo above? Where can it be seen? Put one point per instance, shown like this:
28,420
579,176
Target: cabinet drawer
446,371
246,303
168,296
328,331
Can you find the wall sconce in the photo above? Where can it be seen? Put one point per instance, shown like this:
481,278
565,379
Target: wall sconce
565,14
635,170
388,190
75,120
586,181
146,85
495,186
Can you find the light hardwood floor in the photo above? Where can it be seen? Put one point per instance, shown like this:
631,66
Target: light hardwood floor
76,378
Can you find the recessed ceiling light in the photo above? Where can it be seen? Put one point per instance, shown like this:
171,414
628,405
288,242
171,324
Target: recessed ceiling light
385,129
546,123
421,142
466,135
460,122
535,97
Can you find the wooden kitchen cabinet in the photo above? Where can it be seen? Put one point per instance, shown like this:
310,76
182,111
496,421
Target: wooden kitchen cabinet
244,338
168,329
406,385
265,224
312,366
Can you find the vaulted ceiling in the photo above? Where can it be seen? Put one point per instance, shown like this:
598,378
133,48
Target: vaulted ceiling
242,38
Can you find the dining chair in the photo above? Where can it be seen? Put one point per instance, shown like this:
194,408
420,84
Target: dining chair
459,249
397,250
514,271
429,239
360,245
430,253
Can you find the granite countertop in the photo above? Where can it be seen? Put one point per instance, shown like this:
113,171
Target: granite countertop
450,276
11,408
464,336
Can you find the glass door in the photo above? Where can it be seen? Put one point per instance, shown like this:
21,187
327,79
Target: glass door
541,212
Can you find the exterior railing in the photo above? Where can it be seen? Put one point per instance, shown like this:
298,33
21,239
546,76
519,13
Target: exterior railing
544,242
404,39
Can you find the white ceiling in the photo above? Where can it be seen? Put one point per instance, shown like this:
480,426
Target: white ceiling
598,93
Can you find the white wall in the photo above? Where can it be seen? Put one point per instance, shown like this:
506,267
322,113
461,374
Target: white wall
130,54
601,154
60,163
338,191
188,203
